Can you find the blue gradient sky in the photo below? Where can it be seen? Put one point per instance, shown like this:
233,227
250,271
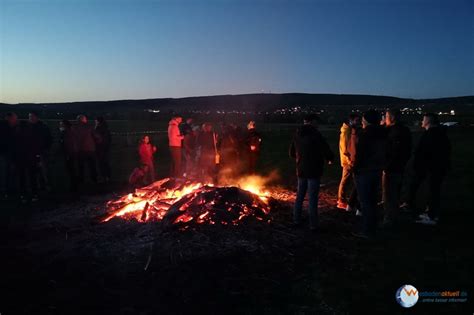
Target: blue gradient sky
77,50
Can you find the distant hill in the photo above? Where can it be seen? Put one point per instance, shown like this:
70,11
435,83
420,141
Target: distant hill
243,102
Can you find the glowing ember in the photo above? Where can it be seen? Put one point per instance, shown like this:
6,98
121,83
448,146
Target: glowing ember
179,202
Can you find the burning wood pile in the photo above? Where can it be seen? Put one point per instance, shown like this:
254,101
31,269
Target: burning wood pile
187,202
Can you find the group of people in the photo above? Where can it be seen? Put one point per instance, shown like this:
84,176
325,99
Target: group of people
26,148
374,153
199,151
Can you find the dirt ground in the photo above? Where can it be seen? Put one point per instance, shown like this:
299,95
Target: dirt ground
57,259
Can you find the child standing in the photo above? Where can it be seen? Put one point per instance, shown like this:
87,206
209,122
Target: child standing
146,152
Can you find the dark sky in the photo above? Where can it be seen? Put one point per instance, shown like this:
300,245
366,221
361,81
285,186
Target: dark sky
76,50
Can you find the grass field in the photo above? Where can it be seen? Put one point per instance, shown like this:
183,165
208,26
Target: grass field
331,274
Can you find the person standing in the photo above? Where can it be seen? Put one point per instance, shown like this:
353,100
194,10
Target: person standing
369,161
86,149
398,154
207,144
347,174
253,143
4,128
12,154
146,151
432,162
103,143
175,139
68,144
310,150
189,143
42,142
230,151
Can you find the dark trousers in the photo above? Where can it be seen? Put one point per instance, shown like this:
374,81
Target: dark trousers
3,174
253,158
70,164
346,179
310,186
391,187
103,161
190,162
86,159
435,179
11,176
43,170
28,173
368,183
175,170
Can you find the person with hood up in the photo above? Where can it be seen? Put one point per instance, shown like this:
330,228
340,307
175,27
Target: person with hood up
310,150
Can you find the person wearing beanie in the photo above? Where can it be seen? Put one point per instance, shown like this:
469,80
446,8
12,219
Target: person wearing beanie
369,161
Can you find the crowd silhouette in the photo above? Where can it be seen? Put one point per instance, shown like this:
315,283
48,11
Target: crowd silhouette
374,151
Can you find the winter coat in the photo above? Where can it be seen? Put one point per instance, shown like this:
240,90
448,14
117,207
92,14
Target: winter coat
42,135
189,143
103,138
68,142
398,148
344,139
351,147
174,135
205,141
4,141
25,145
85,138
370,150
253,141
433,152
310,150
146,152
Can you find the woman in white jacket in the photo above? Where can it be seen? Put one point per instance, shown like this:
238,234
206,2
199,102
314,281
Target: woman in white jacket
175,139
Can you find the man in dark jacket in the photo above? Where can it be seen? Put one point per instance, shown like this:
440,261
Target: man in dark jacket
398,154
3,157
254,143
432,162
42,142
25,158
189,146
369,161
68,144
310,150
103,144
207,144
86,148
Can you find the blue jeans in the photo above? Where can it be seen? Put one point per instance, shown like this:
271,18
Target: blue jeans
310,185
368,184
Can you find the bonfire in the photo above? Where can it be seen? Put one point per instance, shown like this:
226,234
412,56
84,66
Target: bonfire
185,202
